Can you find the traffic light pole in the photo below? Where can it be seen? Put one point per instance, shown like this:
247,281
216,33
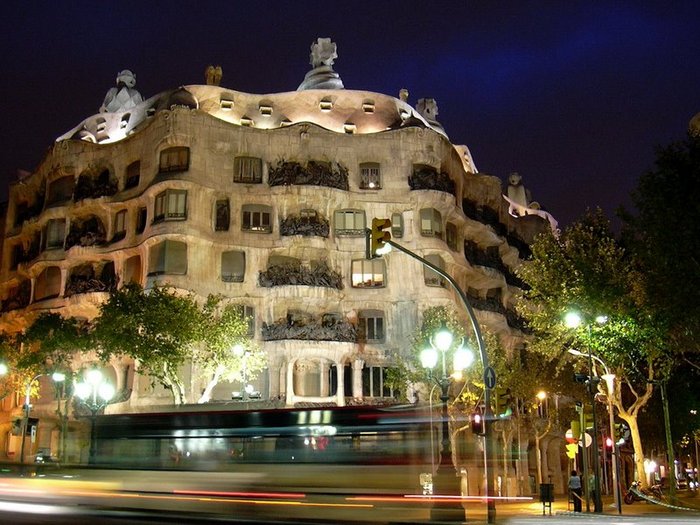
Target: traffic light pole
488,413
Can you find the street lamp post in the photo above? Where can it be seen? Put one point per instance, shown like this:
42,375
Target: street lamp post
573,320
56,376
446,482
95,394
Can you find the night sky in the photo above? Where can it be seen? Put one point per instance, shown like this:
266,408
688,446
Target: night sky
575,96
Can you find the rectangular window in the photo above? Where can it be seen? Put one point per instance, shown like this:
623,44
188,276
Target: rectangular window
430,223
373,379
168,257
432,278
119,226
133,175
170,205
232,266
371,326
223,215
350,222
257,218
60,190
370,176
397,225
174,159
55,233
451,236
368,274
141,218
247,170
248,312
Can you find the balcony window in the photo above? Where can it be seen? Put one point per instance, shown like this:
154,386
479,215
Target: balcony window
132,270
60,190
48,284
170,205
174,159
257,218
370,176
350,223
430,223
233,266
168,257
141,219
368,274
247,170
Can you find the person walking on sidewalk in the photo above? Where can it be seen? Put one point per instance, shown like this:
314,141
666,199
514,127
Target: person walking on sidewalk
575,489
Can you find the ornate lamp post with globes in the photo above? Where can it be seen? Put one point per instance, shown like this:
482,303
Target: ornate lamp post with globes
94,393
446,483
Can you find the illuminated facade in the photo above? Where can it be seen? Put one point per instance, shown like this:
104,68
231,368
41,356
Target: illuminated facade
218,191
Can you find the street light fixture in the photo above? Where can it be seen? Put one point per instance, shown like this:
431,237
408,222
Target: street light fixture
451,507
95,393
57,377
573,320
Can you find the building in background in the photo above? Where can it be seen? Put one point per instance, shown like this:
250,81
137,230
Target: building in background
265,199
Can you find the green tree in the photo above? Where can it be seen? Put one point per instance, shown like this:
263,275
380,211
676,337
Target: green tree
586,269
158,328
226,351
665,237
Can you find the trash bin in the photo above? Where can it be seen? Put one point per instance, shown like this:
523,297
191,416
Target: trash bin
546,496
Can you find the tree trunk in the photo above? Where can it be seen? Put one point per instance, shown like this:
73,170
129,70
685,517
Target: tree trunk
638,450
206,395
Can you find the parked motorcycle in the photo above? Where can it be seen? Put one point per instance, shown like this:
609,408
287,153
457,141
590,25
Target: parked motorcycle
637,493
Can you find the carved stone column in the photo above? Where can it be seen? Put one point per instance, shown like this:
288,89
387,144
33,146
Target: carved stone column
357,366
323,377
340,380
290,383
274,379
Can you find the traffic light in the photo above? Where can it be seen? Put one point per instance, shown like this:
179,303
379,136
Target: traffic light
378,237
478,422
503,408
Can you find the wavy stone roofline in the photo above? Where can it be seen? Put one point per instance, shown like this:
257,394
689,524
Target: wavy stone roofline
338,110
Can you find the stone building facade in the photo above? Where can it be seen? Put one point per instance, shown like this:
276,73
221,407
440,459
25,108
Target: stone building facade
265,199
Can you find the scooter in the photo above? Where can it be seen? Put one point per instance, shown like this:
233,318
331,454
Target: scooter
637,493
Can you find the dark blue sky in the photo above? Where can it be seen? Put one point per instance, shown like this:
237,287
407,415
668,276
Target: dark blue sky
573,95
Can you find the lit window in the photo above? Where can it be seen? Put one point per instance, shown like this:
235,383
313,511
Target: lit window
226,104
326,104
247,121
397,225
370,176
349,128
350,222
368,274
233,266
170,205
257,218
168,257
119,226
55,233
370,326
430,223
451,236
368,106
174,159
432,278
374,382
265,110
247,169
223,215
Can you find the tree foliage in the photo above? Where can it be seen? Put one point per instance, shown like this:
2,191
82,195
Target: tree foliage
587,270
665,237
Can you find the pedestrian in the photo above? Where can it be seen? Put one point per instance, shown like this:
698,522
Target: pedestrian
575,490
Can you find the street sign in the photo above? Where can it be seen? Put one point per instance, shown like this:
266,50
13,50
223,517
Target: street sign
490,377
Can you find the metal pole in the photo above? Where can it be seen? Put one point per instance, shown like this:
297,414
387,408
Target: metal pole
584,457
669,445
488,413
598,502
93,441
